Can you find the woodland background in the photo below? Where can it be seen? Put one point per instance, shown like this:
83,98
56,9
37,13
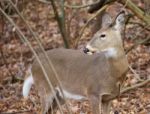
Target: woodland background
15,55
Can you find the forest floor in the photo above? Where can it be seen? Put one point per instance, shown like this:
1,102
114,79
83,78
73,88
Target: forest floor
15,57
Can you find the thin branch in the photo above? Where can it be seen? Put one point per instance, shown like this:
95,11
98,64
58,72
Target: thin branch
81,6
17,112
124,90
72,6
44,1
137,76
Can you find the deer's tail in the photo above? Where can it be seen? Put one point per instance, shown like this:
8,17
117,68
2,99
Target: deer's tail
27,84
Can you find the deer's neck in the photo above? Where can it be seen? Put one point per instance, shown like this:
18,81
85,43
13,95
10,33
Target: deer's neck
118,61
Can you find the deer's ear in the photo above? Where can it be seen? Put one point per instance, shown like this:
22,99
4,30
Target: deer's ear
106,20
120,21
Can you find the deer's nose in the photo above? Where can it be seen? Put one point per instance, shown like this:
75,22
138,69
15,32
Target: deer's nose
85,50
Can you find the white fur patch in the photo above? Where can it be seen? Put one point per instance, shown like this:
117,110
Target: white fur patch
110,52
89,53
91,50
27,86
70,95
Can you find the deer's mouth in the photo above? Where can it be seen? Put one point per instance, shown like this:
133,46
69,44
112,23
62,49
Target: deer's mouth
89,52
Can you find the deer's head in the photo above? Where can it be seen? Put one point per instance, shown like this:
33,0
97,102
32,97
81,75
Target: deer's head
109,37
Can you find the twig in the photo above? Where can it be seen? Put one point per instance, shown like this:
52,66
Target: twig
44,1
17,112
126,89
81,6
135,86
135,74
72,6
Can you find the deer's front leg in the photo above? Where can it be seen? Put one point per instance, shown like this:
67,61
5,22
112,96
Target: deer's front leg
105,107
54,105
95,101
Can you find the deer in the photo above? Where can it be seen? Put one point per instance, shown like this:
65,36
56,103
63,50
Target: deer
95,77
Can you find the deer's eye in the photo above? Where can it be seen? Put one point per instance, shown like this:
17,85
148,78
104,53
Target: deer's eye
102,36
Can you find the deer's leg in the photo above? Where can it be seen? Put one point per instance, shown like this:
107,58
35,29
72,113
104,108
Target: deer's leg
105,107
46,102
54,105
46,98
42,100
95,101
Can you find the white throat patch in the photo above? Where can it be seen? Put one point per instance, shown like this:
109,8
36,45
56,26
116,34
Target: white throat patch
110,52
